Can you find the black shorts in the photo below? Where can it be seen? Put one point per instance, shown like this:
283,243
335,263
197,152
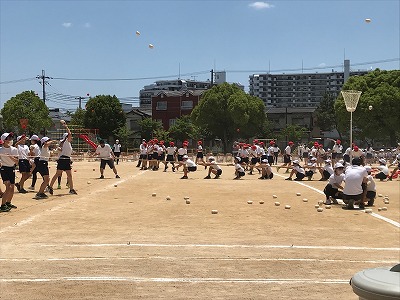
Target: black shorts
161,157
326,175
380,176
199,155
329,190
241,174
219,172
264,157
43,167
8,174
245,160
346,158
117,154
24,166
36,162
170,157
300,176
64,163
305,154
371,195
154,156
180,157
192,169
270,159
286,159
352,197
105,162
254,160
143,156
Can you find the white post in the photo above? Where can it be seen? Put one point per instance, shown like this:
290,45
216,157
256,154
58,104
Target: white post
351,136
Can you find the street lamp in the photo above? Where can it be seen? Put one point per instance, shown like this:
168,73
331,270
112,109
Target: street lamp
351,100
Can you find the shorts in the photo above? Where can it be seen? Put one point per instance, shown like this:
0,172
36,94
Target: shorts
245,160
170,158
117,154
64,163
329,190
352,197
241,174
346,158
270,176
105,162
305,154
180,157
254,160
264,157
300,176
326,175
8,174
154,156
143,156
286,159
192,169
161,157
199,155
24,166
369,155
309,173
380,176
219,172
43,167
371,195
270,159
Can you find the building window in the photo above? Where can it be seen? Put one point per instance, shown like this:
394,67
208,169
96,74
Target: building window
161,105
171,122
187,104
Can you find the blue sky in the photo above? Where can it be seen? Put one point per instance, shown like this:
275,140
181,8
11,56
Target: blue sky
97,40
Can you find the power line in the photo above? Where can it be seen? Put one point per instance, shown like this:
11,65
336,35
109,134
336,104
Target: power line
18,80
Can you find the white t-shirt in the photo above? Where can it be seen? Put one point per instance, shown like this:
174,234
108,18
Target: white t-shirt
371,184
383,169
5,155
36,150
104,152
66,149
171,150
23,152
190,163
336,180
354,177
243,153
337,148
214,165
329,169
117,147
299,169
182,151
288,150
44,153
143,149
239,168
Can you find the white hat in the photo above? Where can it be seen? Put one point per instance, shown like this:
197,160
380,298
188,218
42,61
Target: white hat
338,165
185,157
19,137
238,158
296,162
116,141
368,168
211,158
5,135
382,161
264,160
34,138
65,134
44,139
313,158
328,161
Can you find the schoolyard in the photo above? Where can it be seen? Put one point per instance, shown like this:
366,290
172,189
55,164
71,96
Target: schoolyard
116,240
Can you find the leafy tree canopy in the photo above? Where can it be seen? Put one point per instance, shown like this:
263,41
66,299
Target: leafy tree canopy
78,117
26,105
225,111
149,127
380,92
105,113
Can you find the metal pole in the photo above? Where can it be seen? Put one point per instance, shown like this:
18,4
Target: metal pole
351,136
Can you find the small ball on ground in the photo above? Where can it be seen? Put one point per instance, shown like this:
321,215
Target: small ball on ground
379,208
94,170
386,201
249,202
187,201
384,208
154,194
214,211
328,206
305,200
298,194
186,198
316,205
287,206
368,211
115,185
274,196
277,204
88,182
168,198
261,202
320,209
380,195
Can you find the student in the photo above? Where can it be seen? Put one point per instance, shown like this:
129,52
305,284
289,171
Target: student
371,187
383,170
297,170
117,150
266,170
35,153
142,156
287,157
326,171
182,151
239,171
312,168
188,166
213,168
396,161
355,178
337,150
106,155
43,166
8,158
200,155
171,151
254,158
276,153
335,182
24,167
64,162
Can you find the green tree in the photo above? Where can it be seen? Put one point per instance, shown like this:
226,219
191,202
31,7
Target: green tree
105,113
225,110
78,117
149,127
26,105
380,91
293,133
325,114
123,134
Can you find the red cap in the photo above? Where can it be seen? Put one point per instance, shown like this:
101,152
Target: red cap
199,142
290,143
254,147
161,142
355,148
338,141
271,143
320,145
171,143
261,143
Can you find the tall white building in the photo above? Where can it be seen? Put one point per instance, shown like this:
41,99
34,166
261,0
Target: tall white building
298,90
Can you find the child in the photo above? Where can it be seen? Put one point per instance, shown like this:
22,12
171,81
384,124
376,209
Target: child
326,171
171,150
371,188
239,171
331,190
188,166
266,170
298,170
395,162
383,170
214,168
312,168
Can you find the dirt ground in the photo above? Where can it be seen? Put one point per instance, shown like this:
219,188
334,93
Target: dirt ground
115,240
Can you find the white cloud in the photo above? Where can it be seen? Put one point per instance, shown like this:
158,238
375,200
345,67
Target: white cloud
322,65
261,5
66,25
87,25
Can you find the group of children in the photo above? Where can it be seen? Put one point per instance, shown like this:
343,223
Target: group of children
32,160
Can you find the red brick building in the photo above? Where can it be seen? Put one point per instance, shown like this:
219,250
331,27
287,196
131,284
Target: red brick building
167,106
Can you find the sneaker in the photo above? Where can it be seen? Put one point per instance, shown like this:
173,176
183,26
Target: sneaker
17,185
116,176
4,208
184,177
23,191
32,188
50,189
173,169
207,177
102,177
40,196
328,202
288,178
297,179
59,187
216,177
73,192
10,205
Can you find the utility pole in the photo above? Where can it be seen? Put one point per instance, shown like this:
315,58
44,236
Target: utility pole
212,77
80,100
43,78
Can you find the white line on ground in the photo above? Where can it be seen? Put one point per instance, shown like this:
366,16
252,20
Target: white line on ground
172,258
186,280
224,246
390,221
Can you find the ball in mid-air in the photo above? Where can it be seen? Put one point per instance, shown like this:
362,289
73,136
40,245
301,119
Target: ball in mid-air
370,107
367,20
